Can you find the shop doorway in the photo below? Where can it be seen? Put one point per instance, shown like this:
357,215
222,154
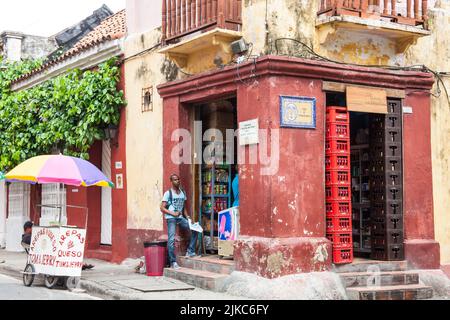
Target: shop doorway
376,185
215,166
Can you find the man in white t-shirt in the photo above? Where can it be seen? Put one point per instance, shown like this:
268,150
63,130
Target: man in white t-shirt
175,212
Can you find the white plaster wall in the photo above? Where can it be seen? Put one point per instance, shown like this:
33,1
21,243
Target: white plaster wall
14,48
143,15
14,231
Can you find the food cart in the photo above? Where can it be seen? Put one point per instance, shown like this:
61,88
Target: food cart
56,252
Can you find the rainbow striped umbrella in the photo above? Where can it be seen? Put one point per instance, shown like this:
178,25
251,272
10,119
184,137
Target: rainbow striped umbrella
2,176
58,169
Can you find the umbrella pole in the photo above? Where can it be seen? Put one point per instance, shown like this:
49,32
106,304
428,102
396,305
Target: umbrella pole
60,203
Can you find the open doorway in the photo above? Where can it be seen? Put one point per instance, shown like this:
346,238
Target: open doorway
213,187
375,145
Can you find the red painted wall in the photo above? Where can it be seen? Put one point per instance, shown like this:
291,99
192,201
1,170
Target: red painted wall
289,203
421,250
418,187
119,196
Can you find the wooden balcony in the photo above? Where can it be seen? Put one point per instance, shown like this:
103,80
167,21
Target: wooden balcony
408,12
184,17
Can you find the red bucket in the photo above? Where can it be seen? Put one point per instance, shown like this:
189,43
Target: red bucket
155,257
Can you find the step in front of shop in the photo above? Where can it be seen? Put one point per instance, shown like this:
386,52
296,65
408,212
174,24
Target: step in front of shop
362,279
198,278
400,292
208,263
371,266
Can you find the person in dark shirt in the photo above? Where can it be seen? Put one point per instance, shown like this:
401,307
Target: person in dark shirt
27,229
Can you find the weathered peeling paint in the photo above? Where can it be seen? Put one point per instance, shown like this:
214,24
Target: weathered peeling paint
144,134
321,254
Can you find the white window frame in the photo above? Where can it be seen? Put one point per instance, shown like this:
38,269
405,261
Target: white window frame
53,194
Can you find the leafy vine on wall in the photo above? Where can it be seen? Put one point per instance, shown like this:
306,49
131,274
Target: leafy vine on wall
68,112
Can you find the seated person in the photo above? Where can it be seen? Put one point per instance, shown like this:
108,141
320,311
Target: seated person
26,237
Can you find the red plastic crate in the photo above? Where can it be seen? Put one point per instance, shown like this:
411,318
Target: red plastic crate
337,161
342,255
337,146
337,177
338,192
339,224
338,130
340,240
337,114
338,208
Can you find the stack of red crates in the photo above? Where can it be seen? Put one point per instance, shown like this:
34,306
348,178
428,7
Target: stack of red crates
338,184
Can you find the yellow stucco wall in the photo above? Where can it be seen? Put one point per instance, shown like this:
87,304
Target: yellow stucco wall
434,52
144,133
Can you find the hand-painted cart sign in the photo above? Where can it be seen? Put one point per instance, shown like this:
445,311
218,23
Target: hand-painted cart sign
298,112
57,251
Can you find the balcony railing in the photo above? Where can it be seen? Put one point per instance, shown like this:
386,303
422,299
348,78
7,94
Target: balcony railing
411,12
183,17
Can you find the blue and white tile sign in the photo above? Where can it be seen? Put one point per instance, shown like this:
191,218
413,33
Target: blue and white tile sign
297,112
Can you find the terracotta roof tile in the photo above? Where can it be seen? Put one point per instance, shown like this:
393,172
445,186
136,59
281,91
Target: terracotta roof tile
113,27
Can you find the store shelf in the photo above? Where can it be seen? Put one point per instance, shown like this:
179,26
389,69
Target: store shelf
213,203
216,195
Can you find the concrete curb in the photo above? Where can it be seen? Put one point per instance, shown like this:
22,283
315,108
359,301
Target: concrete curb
95,289
91,287
11,271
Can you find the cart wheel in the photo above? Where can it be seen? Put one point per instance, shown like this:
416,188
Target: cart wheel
28,275
72,282
50,281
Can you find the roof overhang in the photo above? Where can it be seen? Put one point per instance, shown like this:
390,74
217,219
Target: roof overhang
85,60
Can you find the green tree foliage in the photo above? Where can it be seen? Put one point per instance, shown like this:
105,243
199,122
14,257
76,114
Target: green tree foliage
69,111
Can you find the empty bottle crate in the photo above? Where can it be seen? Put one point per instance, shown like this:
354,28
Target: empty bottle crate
337,177
387,222
337,161
390,253
338,192
337,114
340,239
335,208
337,146
337,130
383,208
394,107
339,224
342,255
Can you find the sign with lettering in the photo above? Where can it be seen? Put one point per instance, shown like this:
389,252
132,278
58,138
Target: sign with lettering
57,251
366,100
248,132
298,112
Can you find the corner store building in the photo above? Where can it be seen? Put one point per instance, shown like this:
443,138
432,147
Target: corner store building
282,216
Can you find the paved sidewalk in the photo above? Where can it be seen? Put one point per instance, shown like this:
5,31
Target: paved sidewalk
112,281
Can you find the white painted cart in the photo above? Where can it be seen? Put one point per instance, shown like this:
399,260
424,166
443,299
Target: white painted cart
56,252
